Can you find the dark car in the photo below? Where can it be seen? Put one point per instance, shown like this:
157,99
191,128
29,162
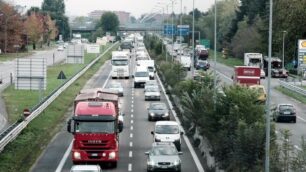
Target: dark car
163,156
202,64
158,110
284,112
126,45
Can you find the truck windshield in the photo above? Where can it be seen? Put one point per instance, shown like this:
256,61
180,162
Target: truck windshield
255,62
119,62
95,127
276,65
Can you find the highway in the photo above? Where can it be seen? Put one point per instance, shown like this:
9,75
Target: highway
135,139
297,129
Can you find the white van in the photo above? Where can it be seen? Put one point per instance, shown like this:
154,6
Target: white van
149,64
141,76
186,62
168,131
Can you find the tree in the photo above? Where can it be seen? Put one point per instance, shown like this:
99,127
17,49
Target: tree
109,22
197,14
34,28
11,28
56,10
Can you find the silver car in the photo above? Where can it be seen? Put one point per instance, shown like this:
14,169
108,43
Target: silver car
163,156
152,93
117,87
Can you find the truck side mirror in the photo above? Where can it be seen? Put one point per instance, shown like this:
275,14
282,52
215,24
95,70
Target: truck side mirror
120,127
152,132
69,126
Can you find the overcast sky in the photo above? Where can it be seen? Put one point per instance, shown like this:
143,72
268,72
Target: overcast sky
135,7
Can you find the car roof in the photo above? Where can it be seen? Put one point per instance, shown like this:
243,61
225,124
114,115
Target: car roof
285,104
166,123
85,167
157,103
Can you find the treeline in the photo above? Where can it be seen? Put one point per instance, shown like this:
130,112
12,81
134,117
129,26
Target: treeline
37,26
242,26
234,126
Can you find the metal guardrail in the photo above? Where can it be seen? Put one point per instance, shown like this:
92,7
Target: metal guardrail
292,87
14,130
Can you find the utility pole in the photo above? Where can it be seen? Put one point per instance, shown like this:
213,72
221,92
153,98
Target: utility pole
284,34
192,59
172,30
181,18
215,57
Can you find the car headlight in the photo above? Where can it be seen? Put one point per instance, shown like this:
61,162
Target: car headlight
176,162
151,163
77,155
166,114
152,114
112,155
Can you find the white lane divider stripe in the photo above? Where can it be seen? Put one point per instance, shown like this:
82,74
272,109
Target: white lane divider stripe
132,110
301,118
131,135
132,128
132,121
63,160
131,144
132,101
132,116
130,154
130,167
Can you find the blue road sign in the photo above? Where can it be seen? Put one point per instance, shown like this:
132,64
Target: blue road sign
182,30
169,30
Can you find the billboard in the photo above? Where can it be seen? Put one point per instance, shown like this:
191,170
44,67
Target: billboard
169,29
183,30
75,54
31,74
93,48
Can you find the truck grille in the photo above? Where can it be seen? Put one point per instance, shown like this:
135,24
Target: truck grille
164,163
99,143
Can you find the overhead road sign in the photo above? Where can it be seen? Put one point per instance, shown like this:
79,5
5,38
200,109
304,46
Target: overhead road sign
183,30
206,43
169,29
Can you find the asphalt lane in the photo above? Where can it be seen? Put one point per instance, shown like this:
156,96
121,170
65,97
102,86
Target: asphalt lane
134,140
297,129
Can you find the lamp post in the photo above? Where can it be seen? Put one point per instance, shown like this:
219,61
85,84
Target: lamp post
192,59
284,34
267,146
172,30
215,57
181,21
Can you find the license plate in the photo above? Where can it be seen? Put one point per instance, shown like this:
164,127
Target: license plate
164,167
286,113
94,154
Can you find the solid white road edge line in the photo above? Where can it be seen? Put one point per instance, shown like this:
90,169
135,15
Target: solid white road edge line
194,155
63,160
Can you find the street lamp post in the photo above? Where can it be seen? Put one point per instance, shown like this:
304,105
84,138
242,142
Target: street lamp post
192,59
284,34
172,30
181,21
267,146
215,57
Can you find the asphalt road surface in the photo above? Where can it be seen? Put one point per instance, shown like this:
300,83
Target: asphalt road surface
135,139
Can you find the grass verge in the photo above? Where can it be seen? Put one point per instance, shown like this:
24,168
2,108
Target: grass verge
12,56
23,152
230,61
292,94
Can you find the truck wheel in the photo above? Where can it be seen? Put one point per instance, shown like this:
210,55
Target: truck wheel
135,85
294,121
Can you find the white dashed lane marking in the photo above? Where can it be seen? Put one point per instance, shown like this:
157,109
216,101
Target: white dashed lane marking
131,144
131,135
130,154
132,128
132,116
130,167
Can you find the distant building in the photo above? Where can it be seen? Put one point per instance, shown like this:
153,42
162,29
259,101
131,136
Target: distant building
124,17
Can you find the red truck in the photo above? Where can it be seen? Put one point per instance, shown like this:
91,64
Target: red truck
96,126
246,75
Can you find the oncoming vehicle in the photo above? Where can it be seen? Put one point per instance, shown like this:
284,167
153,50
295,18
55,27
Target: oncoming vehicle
86,168
120,65
284,112
168,131
158,110
163,157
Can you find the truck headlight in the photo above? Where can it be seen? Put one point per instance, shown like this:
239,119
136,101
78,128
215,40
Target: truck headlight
77,155
152,114
112,155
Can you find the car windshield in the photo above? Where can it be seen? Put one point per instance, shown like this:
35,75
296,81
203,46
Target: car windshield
152,89
120,62
286,108
163,150
151,82
151,69
141,74
95,127
158,106
115,85
167,129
